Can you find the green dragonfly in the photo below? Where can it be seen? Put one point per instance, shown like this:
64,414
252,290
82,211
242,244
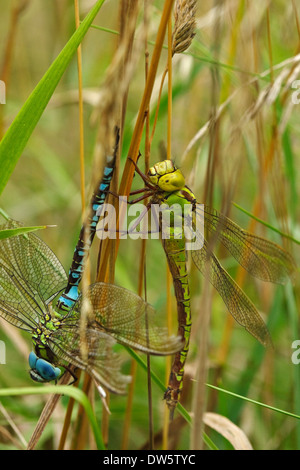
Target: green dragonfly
37,296
165,185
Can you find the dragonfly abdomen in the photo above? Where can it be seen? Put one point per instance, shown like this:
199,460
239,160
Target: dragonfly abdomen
87,233
176,256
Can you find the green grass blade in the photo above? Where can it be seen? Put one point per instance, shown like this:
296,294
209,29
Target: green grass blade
7,233
73,392
266,224
19,231
255,402
16,137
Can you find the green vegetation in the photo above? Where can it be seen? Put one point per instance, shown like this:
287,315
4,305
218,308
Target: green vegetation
233,130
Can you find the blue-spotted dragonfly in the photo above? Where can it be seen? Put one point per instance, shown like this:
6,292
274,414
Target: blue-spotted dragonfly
36,296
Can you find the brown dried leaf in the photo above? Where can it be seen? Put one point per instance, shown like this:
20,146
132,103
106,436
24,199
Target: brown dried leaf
228,429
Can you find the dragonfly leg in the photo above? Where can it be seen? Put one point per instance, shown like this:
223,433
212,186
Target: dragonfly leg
72,373
134,201
138,199
113,194
138,191
142,175
142,190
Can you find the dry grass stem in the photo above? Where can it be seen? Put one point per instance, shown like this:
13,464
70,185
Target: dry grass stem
267,96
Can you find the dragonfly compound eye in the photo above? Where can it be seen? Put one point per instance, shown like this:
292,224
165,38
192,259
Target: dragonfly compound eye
41,370
32,360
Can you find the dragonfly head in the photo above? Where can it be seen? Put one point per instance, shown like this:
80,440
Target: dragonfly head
41,370
166,176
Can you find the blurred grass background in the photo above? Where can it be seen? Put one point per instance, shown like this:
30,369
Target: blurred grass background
235,134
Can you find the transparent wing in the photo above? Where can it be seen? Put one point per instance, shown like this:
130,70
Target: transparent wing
129,320
30,275
100,361
260,257
238,304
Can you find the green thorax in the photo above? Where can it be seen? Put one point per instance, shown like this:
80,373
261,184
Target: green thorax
182,197
42,333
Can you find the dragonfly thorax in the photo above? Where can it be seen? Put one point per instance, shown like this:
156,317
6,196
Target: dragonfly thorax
166,176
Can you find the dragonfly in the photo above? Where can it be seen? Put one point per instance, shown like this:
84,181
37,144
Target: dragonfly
37,296
166,188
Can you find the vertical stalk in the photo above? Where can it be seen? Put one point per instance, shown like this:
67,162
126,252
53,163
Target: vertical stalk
168,274
67,420
8,51
80,106
143,246
138,129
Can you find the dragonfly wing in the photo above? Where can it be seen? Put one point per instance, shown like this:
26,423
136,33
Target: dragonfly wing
238,304
260,257
33,261
16,304
130,320
29,275
90,350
